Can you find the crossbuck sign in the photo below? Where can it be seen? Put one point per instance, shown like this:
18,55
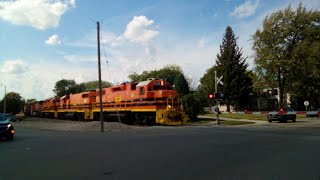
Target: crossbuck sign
219,80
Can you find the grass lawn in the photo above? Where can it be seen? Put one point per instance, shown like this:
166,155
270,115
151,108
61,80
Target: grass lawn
228,122
300,116
261,117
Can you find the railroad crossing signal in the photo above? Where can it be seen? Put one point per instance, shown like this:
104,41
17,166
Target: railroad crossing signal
216,95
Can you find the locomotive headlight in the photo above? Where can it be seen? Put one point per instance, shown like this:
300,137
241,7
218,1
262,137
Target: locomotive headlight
9,125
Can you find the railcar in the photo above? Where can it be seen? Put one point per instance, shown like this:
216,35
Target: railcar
77,106
48,108
153,101
34,108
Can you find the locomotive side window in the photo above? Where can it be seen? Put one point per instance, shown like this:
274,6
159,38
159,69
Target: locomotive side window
134,86
141,91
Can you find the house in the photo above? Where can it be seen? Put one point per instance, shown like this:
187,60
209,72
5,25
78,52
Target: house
265,100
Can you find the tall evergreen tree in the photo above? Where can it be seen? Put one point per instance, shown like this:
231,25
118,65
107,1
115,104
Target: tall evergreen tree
233,67
181,85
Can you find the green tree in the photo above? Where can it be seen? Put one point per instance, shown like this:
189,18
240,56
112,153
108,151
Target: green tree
193,104
95,85
181,85
31,100
287,52
207,85
171,73
14,103
65,86
233,67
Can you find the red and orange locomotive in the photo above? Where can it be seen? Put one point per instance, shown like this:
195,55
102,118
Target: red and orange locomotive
152,102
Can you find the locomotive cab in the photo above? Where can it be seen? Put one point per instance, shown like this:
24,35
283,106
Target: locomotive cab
162,94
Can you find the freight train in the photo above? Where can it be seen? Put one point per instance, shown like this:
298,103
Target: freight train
153,101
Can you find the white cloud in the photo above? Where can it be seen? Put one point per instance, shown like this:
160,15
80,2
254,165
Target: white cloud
40,14
138,30
14,67
53,40
246,9
203,42
73,3
39,78
80,58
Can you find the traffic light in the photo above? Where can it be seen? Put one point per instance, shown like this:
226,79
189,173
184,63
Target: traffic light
211,96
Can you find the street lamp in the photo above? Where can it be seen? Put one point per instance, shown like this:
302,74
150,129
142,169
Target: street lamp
4,99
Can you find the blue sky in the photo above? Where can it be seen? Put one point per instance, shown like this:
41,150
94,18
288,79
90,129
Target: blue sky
43,41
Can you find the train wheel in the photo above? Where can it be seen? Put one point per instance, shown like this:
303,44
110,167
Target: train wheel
151,119
81,116
138,118
75,116
96,116
129,118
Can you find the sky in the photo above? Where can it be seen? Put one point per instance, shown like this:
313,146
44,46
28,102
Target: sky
44,41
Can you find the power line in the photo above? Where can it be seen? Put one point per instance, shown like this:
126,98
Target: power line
105,56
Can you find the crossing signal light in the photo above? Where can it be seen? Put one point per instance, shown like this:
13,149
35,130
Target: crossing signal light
216,96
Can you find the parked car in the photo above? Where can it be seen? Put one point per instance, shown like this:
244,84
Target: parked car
315,112
12,118
6,128
282,116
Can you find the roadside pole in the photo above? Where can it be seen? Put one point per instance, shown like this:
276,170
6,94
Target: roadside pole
217,101
99,74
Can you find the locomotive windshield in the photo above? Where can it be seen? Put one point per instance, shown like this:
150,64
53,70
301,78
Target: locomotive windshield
160,85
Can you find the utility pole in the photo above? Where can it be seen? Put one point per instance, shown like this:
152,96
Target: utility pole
100,86
216,92
4,99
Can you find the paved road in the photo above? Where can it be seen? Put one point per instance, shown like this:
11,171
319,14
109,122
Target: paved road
162,153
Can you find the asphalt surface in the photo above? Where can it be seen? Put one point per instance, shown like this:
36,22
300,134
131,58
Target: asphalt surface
162,153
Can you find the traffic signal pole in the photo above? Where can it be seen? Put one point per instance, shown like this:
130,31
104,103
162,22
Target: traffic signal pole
216,98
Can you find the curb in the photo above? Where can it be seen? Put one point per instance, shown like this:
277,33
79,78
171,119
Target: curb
276,112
